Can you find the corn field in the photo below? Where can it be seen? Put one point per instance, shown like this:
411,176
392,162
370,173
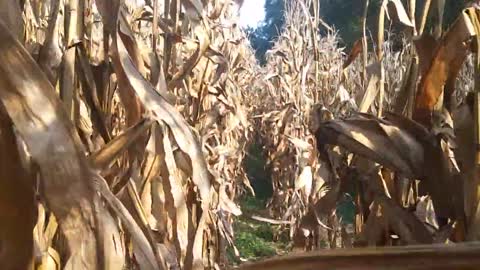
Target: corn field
124,126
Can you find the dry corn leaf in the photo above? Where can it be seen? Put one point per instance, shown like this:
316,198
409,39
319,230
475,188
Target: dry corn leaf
367,138
41,121
176,199
408,146
17,210
144,254
91,94
426,46
50,55
163,111
11,15
447,60
401,13
372,88
304,180
102,158
403,223
357,49
50,261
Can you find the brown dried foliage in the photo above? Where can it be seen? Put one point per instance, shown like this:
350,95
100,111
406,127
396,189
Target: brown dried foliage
124,127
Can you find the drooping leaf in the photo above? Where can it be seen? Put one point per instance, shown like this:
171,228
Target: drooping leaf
105,156
163,111
176,199
447,61
43,124
50,55
17,209
426,46
367,138
145,255
403,223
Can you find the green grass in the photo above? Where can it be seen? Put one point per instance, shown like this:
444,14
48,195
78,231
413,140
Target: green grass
253,239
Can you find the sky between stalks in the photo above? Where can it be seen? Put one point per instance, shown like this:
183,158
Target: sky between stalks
252,13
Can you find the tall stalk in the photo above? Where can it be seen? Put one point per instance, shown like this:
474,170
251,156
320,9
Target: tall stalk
364,43
380,41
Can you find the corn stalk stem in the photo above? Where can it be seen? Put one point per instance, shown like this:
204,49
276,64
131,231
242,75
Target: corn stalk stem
412,7
155,26
166,43
411,85
423,22
477,110
381,38
365,44
439,27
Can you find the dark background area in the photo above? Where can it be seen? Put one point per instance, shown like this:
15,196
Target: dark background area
343,15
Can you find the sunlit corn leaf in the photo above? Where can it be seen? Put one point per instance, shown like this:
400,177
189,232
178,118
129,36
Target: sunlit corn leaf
401,13
53,144
368,138
176,201
144,253
372,87
184,136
